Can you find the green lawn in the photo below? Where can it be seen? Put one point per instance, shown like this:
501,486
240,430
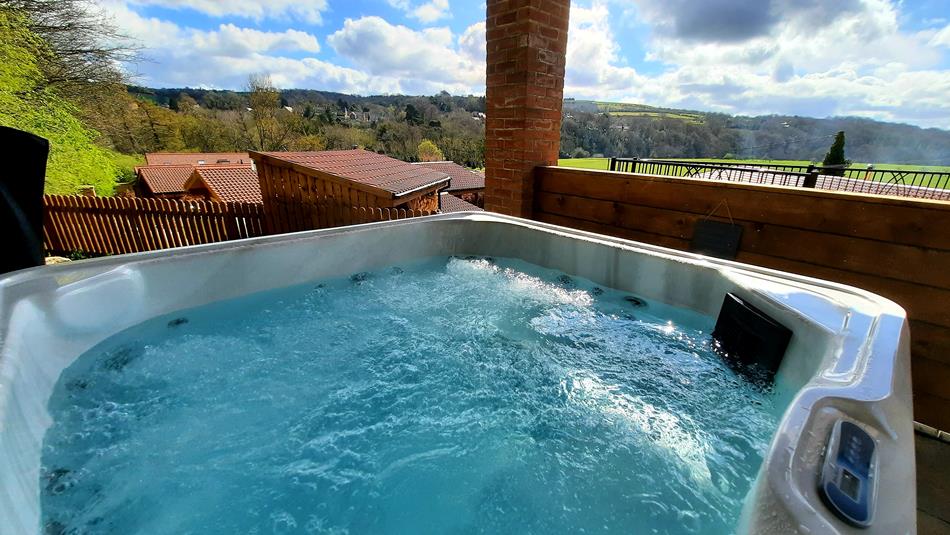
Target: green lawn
604,163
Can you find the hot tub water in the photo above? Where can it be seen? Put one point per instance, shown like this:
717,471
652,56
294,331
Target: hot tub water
449,396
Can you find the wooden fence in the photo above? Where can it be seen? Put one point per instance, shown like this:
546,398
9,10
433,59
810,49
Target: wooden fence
117,225
896,247
317,212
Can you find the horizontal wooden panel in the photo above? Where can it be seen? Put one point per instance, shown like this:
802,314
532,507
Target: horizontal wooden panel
931,377
931,341
932,410
762,237
921,302
912,222
627,234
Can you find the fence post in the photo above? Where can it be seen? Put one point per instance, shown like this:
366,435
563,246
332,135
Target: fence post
613,164
812,179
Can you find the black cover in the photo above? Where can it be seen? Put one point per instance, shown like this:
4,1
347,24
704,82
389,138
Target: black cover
22,177
715,238
750,338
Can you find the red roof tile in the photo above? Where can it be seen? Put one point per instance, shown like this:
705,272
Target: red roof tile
364,167
462,177
450,203
165,178
228,183
196,158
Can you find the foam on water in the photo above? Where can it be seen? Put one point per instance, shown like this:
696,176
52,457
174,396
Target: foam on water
452,396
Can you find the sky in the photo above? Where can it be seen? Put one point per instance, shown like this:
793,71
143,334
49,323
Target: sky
882,59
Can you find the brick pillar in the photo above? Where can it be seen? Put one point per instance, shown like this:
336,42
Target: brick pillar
527,47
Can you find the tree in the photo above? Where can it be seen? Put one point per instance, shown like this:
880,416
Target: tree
85,46
429,152
413,115
835,157
311,142
269,123
27,102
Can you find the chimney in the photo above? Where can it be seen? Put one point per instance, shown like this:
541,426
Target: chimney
527,48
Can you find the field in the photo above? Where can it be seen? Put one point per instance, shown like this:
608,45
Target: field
622,109
604,163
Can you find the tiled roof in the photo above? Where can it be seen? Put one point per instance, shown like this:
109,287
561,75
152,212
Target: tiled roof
165,178
364,167
196,158
450,203
228,183
462,177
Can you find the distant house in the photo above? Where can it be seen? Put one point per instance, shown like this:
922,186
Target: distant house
357,177
162,181
165,173
224,183
196,158
449,203
465,183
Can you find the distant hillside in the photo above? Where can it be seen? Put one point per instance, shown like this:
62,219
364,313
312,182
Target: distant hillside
592,128
619,129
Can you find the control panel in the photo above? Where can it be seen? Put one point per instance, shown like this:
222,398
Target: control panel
847,476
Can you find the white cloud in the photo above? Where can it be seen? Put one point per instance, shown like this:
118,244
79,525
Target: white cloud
472,43
230,40
431,11
426,12
308,10
593,55
859,63
431,55
862,62
424,61
941,38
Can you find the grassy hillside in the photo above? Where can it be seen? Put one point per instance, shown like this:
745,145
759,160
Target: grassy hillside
623,109
595,128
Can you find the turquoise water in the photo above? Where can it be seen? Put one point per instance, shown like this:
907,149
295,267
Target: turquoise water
461,395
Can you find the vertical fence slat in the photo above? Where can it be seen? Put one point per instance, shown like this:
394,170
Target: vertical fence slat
105,225
75,229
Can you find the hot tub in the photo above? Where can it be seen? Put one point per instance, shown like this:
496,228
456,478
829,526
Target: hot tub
841,457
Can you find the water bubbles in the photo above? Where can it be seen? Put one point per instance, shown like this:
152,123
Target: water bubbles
689,520
120,357
462,394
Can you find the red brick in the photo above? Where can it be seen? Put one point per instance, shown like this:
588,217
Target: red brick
526,44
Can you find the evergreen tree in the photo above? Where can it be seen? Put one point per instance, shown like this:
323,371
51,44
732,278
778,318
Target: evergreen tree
835,157
413,115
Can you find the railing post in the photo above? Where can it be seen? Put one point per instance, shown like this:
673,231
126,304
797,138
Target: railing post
812,179
613,164
633,165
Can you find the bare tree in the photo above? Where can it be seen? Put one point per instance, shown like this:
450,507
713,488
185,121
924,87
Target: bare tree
270,122
86,49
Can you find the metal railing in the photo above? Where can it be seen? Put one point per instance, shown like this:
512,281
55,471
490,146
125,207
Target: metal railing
899,182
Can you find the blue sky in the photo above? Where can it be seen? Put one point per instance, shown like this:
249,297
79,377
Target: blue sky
883,59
